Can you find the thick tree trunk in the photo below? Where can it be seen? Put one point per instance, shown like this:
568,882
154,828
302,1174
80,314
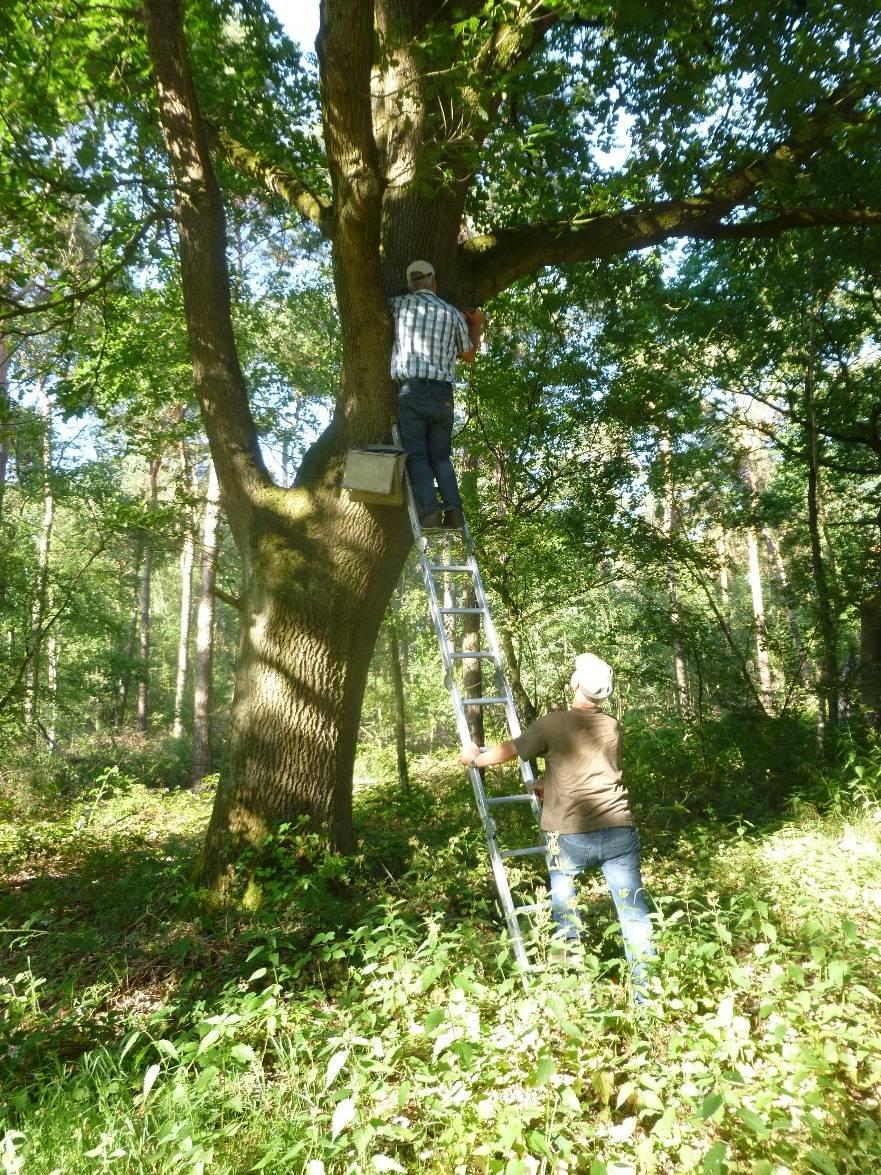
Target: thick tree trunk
203,683
142,720
41,583
318,569
187,560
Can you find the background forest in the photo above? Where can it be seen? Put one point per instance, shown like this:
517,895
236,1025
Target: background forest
669,457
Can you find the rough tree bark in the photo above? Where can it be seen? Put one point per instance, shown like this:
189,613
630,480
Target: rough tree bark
401,131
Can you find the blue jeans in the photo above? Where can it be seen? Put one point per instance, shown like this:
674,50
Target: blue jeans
616,852
425,417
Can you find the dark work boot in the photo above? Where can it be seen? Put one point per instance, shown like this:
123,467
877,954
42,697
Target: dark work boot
454,519
431,520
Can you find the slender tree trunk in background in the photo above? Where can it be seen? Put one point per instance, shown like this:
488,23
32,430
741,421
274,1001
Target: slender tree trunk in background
394,646
525,708
829,687
125,676
724,578
203,684
52,684
4,417
754,575
870,658
806,668
187,559
668,526
143,716
38,607
449,601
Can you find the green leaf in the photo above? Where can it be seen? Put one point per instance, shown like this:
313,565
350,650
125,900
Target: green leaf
751,1119
433,1019
205,1078
150,1080
539,1143
544,1070
343,1116
822,1162
714,1158
208,1041
711,1104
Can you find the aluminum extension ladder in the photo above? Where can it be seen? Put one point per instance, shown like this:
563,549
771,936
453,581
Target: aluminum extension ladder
431,567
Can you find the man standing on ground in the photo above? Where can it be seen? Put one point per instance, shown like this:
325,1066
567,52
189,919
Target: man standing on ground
430,335
586,810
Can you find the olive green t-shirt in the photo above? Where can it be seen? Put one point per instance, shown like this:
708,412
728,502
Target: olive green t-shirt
582,777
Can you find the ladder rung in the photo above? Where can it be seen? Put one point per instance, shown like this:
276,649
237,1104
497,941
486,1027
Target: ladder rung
508,799
523,852
470,656
450,567
534,908
462,611
484,701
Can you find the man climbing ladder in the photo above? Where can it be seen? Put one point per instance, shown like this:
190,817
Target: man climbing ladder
430,335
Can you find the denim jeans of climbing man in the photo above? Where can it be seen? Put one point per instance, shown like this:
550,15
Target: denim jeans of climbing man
425,417
616,852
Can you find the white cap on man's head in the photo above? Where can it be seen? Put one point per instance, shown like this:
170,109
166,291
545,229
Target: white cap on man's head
419,269
593,677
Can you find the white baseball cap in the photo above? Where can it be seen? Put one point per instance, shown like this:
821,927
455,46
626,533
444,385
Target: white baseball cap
593,677
419,269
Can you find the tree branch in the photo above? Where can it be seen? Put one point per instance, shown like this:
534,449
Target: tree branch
498,259
277,180
83,292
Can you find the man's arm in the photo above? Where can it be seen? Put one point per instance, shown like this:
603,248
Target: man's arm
473,756
476,320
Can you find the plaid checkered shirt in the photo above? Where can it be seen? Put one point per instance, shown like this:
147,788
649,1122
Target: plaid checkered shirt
429,334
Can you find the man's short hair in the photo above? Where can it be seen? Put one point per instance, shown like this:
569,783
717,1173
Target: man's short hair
419,274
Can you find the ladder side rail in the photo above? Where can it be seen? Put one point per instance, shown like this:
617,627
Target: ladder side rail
492,641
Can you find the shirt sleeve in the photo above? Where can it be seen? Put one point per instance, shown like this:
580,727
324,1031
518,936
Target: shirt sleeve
532,742
463,339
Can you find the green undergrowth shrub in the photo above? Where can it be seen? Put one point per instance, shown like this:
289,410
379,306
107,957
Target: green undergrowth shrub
365,1016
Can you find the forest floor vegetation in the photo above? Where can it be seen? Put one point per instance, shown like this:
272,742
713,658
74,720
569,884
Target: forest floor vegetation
367,1018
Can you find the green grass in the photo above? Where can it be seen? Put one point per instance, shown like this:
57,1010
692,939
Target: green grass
367,1018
